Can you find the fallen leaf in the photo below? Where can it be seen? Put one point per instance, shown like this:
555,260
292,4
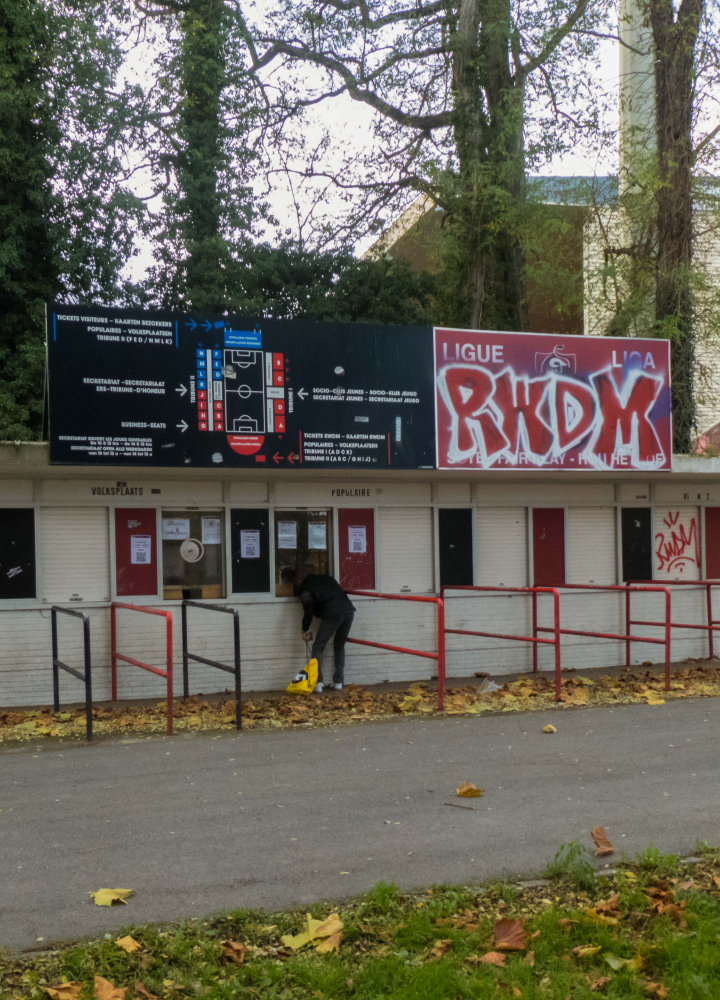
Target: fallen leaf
493,958
549,729
103,990
128,944
586,951
657,988
509,935
599,918
323,928
530,959
235,951
440,948
599,984
506,986
565,923
609,905
716,879
297,941
106,897
65,991
331,943
469,791
145,994
623,963
603,847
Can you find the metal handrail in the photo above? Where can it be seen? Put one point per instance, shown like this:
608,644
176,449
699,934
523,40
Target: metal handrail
439,656
57,664
115,656
214,663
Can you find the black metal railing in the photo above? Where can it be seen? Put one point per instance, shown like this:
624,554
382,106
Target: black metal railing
214,663
86,678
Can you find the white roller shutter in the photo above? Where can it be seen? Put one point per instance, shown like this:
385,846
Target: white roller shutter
75,553
405,549
676,543
590,545
501,546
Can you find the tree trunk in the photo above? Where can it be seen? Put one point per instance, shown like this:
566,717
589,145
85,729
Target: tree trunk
487,118
203,80
675,38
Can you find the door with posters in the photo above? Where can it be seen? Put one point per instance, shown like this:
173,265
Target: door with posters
357,549
136,552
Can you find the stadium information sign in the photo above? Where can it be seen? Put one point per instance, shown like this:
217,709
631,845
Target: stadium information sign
131,387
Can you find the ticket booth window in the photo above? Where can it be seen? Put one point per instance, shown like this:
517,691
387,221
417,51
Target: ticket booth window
192,551
135,552
17,553
456,547
549,546
636,543
303,542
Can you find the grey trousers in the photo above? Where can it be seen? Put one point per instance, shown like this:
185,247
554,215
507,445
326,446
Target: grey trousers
340,626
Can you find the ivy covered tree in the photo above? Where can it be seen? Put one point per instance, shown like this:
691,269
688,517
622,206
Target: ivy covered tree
67,224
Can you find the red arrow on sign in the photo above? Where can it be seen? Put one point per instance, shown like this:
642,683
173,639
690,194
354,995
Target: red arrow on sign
291,459
276,458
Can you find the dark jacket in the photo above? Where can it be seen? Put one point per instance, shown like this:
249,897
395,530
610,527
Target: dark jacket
323,597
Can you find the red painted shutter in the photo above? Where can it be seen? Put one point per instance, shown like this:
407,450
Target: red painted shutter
549,546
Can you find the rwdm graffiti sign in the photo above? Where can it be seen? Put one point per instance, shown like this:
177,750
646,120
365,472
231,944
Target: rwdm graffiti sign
542,401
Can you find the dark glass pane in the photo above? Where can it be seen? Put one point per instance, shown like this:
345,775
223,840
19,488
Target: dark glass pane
456,547
636,543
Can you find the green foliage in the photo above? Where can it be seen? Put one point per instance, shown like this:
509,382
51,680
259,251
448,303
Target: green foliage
66,224
572,864
286,282
382,901
652,860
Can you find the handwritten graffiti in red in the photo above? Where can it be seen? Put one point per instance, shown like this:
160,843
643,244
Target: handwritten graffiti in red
677,549
507,419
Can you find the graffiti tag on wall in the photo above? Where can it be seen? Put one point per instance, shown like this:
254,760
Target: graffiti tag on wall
677,545
571,402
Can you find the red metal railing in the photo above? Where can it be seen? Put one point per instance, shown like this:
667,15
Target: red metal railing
534,638
627,589
713,624
115,656
439,656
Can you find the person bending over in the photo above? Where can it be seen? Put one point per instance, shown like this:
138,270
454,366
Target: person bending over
323,597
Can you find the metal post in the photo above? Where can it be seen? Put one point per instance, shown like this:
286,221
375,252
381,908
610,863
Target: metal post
441,653
186,679
556,610
627,624
711,650
56,670
668,621
534,621
169,669
238,681
88,680
113,659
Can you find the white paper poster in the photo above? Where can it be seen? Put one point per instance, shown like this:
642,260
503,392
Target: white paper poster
357,538
317,535
175,528
250,544
211,531
140,549
287,534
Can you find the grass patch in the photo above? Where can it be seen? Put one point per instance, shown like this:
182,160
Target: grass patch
651,930
572,864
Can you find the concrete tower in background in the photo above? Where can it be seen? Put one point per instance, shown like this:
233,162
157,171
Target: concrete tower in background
637,90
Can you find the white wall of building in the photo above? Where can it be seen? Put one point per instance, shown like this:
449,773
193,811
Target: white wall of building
75,567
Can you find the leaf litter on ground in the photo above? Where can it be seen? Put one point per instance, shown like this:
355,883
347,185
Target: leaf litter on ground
357,703
631,930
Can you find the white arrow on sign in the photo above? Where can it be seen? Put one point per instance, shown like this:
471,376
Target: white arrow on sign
182,425
182,390
301,393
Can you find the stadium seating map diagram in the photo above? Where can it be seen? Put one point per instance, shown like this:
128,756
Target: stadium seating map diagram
131,387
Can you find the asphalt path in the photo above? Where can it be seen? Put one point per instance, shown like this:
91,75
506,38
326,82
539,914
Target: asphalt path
204,822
